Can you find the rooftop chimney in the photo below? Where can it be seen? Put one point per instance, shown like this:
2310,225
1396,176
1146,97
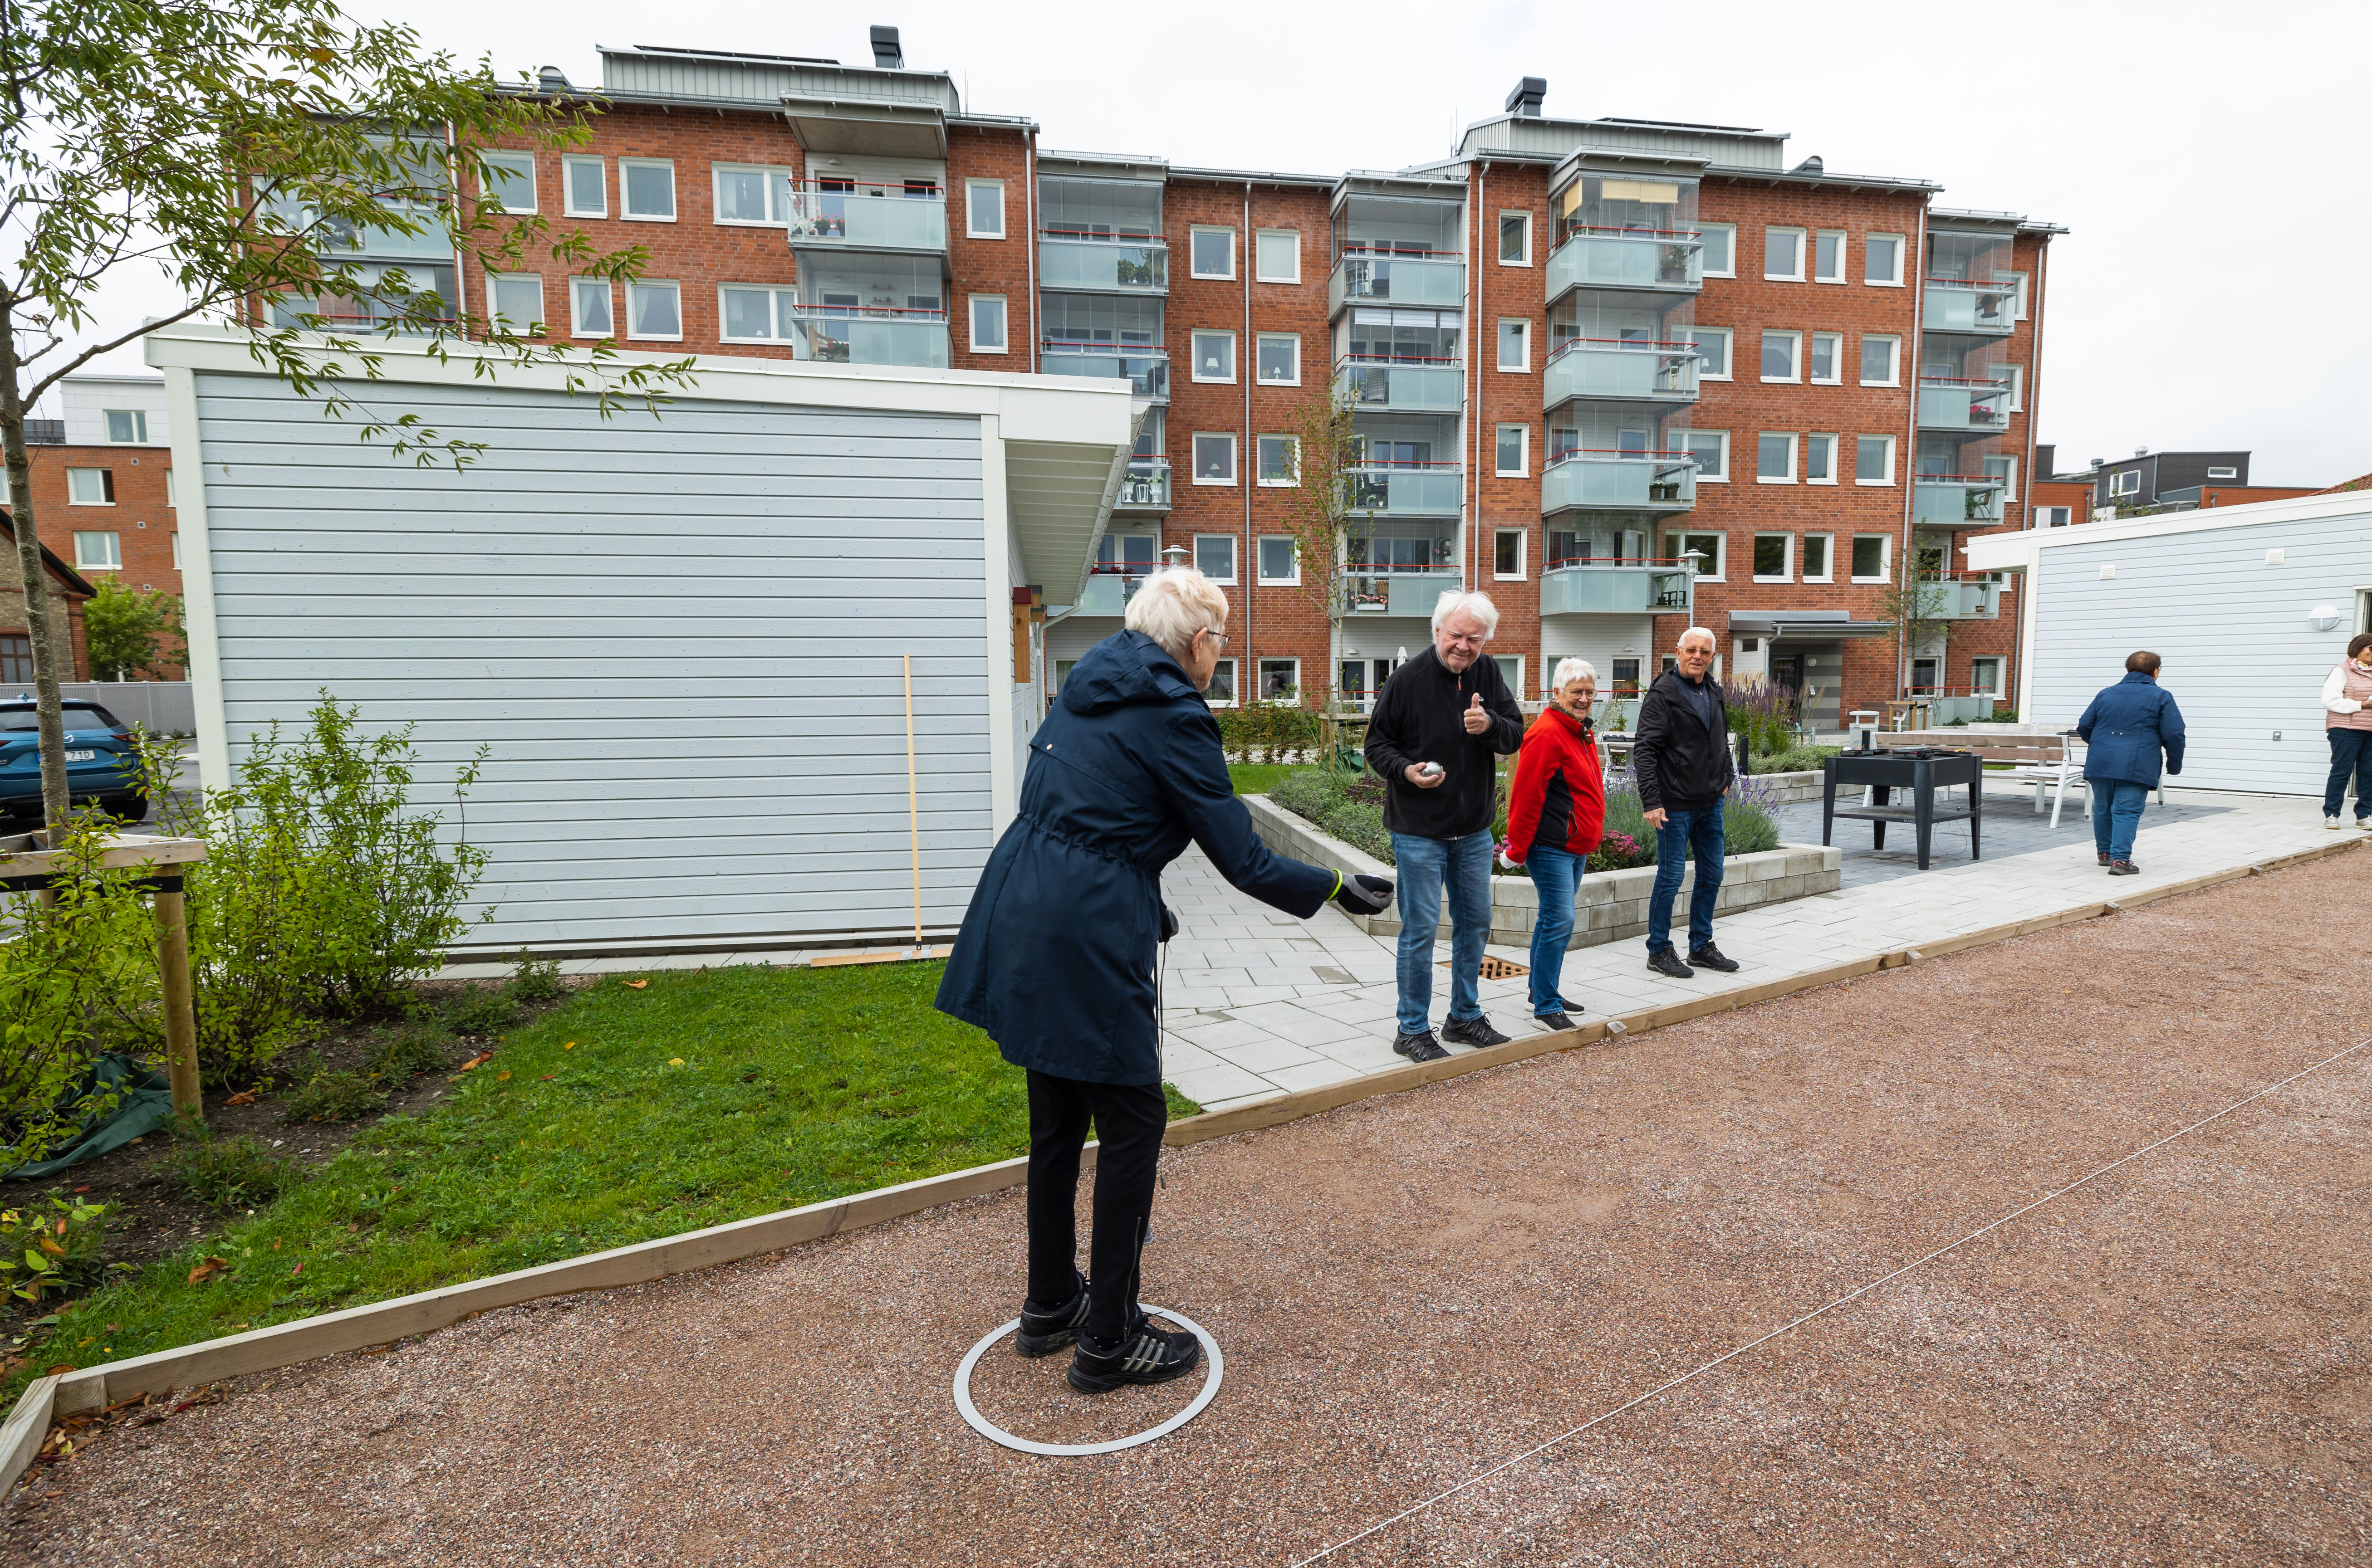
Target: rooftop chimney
552,79
1809,166
887,56
2098,461
1526,99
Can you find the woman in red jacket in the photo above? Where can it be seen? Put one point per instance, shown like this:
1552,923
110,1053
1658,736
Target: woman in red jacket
1556,809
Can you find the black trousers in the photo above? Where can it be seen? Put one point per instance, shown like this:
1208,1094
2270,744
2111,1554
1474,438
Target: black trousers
1129,1121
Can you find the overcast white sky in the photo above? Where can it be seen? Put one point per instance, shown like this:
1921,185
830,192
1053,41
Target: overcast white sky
2203,156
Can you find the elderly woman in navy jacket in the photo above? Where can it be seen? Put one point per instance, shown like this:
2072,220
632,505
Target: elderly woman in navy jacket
1056,959
2124,730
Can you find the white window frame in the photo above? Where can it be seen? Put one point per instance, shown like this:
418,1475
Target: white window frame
1524,219
172,499
1194,558
1264,338
1893,359
175,537
1795,355
984,196
1786,435
1523,554
1993,689
114,549
1260,559
2017,390
778,329
1259,677
1499,345
1194,350
1260,462
509,156
568,165
1235,686
1886,559
139,418
973,304
1786,558
2117,485
2018,299
1194,456
577,315
675,198
494,282
2227,475
1195,232
1890,451
778,192
1769,230
1828,559
1523,452
2053,517
1259,272
1719,475
1834,448
1844,246
1900,244
676,336
1728,336
1730,230
1836,376
1720,551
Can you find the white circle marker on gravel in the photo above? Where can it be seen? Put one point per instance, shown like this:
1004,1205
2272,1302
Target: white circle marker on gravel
995,1433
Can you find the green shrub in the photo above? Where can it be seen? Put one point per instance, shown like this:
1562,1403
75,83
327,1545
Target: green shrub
533,982
234,1173
1794,760
483,1010
324,1095
404,1056
56,1249
1348,806
1266,732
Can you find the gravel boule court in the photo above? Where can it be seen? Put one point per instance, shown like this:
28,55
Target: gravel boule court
2172,1362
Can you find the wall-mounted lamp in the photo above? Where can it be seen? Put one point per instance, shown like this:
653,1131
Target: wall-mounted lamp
2322,617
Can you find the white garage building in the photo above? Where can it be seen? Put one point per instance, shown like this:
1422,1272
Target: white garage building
2249,606
680,637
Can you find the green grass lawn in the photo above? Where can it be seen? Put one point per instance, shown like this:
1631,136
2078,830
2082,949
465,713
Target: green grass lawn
623,1115
1256,778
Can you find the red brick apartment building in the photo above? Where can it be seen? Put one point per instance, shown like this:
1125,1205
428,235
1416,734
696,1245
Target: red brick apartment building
103,493
1626,376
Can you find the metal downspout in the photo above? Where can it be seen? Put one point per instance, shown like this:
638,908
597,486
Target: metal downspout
1907,470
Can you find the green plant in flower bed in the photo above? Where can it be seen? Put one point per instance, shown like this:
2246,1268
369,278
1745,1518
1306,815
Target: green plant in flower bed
1348,806
481,1012
234,1172
50,1249
1793,759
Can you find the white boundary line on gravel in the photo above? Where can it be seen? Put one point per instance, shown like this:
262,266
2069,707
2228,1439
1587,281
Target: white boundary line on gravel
1817,1311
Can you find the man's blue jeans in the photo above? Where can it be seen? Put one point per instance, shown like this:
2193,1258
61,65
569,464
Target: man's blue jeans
2116,813
1423,866
1682,831
1557,873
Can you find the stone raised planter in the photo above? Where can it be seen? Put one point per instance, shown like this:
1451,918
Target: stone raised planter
1791,787
1613,905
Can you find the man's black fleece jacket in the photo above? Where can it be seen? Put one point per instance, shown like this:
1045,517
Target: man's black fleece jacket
1420,717
1681,762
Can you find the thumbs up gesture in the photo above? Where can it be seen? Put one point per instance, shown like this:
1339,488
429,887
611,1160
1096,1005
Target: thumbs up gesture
1477,721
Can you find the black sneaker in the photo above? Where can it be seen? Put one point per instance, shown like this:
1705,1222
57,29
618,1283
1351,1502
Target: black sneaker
1419,1047
2124,868
1143,1354
1554,1023
1475,1031
1663,960
1045,1329
1710,958
2105,860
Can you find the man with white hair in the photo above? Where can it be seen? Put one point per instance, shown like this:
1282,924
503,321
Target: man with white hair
1680,757
1439,725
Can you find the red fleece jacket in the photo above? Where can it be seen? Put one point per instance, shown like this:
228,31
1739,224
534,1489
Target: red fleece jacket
1559,796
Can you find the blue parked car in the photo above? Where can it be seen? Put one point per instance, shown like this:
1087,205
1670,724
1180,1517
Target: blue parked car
100,765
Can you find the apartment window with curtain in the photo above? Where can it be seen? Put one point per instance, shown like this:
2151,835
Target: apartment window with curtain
654,310
1278,359
1826,362
1706,547
1820,460
1512,451
1829,256
1713,352
751,196
1215,458
1514,344
510,181
1280,461
1280,559
1720,249
1221,692
1774,459
585,188
1711,449
129,428
1874,459
98,552
1214,357
1878,360
1214,556
647,186
1276,256
1779,352
1212,252
988,334
1507,553
517,300
589,308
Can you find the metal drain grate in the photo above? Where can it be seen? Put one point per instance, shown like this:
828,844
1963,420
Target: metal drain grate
1496,968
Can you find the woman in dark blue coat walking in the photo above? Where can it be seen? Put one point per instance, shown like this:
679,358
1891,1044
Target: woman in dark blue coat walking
1056,957
2124,730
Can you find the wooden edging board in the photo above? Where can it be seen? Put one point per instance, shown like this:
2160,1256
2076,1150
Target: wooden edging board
307,1338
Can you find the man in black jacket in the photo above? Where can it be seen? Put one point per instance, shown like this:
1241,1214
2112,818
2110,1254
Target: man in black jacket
1439,725
1680,756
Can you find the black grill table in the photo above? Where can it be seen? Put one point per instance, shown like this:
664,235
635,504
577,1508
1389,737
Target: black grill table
1923,772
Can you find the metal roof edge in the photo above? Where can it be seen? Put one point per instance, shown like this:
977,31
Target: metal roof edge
1256,176
995,122
2295,508
1790,175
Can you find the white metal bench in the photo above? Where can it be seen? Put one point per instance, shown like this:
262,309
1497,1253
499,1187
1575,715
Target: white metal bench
2055,775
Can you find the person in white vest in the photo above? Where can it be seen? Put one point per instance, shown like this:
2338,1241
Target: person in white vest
2347,719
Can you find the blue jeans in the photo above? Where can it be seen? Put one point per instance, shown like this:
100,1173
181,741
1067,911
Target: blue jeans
1682,831
1557,873
1424,866
2350,752
2116,813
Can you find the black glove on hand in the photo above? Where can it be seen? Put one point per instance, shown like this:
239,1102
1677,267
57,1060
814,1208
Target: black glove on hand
1365,895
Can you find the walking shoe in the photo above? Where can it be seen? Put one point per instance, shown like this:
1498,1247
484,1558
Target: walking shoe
1045,1329
2365,823
2329,822
1419,1047
2105,860
1710,958
1142,1354
2124,868
1554,1023
1663,960
1475,1031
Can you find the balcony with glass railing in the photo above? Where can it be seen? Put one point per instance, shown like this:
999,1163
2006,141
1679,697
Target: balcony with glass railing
849,335
1109,588
1144,366
1145,486
869,218
1668,261
1406,490
1377,384
1957,403
1618,585
1956,498
1641,369
1660,482
1963,597
1395,590
1963,305
1078,259
1397,278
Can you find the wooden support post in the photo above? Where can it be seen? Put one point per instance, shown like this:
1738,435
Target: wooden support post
181,1016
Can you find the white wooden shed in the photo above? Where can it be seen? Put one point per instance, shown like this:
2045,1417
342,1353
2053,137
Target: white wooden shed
2249,606
682,637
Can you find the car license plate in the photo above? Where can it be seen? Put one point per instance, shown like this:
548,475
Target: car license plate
82,756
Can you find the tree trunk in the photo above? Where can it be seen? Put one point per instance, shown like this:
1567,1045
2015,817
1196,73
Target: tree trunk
56,803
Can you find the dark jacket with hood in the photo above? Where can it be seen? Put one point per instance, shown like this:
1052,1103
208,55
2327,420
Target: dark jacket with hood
1056,956
1681,757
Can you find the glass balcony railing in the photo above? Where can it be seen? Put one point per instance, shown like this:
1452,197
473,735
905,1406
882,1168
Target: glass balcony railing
842,336
1137,266
1398,280
1951,498
1637,367
1146,484
1958,404
1967,598
896,221
1421,385
1410,489
1617,586
1109,588
1144,366
1648,480
1670,261
1395,590
1957,305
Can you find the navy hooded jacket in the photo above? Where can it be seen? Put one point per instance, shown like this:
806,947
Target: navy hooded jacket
1056,956
2127,726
